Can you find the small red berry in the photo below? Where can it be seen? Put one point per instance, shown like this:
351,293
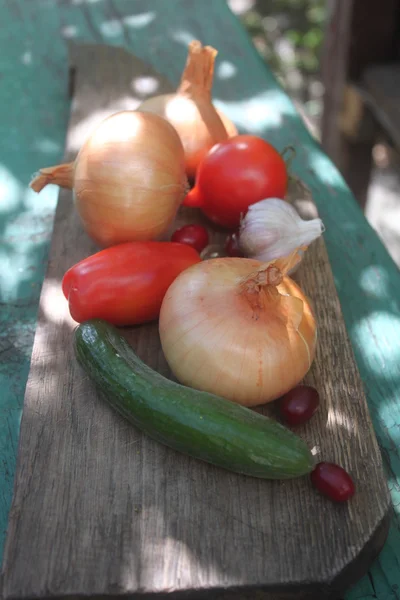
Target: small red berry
299,405
333,481
192,235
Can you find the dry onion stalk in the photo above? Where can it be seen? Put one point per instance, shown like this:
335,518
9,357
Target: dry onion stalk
239,328
191,111
128,178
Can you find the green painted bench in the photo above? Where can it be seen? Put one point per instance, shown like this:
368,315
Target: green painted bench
34,104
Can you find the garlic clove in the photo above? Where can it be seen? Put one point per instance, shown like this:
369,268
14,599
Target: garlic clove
272,229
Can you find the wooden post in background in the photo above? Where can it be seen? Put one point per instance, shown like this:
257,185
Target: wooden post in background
334,72
359,33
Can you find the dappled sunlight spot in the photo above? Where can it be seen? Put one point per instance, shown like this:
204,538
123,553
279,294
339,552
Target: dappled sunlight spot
54,304
337,419
14,195
17,261
179,110
226,70
239,7
183,37
26,58
145,85
13,266
115,26
82,130
157,559
383,359
140,20
126,103
18,254
374,281
285,50
111,27
259,112
121,128
69,31
46,146
10,190
327,172
47,204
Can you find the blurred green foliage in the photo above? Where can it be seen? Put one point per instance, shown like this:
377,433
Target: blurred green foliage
289,36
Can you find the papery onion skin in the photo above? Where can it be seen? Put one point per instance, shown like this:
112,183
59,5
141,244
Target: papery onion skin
218,339
128,178
190,110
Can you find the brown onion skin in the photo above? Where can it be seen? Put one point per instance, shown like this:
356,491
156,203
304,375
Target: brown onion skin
128,179
200,125
153,177
219,339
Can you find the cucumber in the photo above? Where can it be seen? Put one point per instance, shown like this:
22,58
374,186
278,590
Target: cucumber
196,423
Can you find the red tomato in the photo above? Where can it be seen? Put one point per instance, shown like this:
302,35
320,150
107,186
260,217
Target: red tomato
299,405
192,235
125,284
333,481
235,174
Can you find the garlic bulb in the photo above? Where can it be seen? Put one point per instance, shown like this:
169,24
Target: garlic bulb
273,228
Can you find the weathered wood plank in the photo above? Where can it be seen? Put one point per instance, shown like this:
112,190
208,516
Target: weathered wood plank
101,509
33,97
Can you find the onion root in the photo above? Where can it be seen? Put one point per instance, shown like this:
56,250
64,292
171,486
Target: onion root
62,175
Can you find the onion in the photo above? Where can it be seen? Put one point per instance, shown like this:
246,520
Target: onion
128,178
238,328
190,110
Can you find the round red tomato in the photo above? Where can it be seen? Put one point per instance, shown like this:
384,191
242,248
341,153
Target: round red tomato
235,174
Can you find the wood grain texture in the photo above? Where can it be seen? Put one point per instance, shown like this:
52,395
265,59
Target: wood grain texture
101,509
34,100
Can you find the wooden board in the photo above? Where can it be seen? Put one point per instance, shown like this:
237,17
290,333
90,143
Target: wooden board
99,508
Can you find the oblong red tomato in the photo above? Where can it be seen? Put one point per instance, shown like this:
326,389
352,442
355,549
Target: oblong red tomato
125,284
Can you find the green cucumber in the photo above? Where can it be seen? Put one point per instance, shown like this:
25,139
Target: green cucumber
196,423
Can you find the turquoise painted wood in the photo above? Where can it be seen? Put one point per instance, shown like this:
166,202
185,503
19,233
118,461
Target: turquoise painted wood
34,108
